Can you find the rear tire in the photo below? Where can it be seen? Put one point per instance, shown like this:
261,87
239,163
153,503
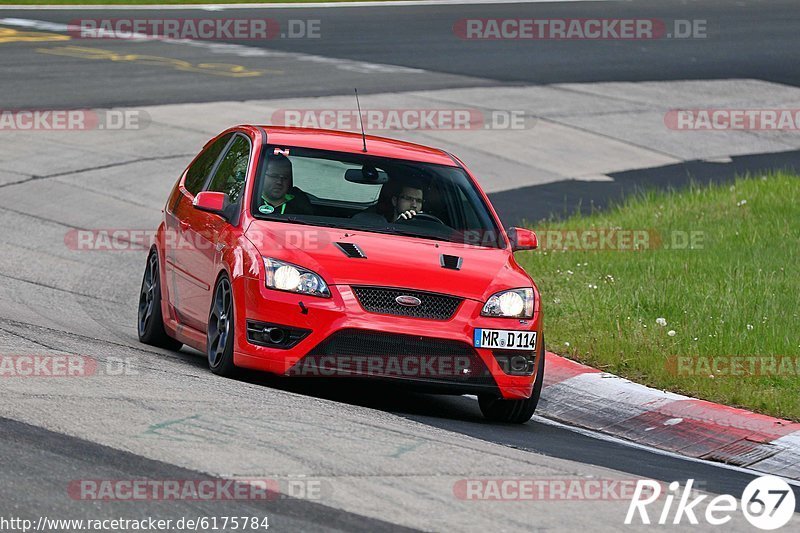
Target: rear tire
150,321
219,345
514,411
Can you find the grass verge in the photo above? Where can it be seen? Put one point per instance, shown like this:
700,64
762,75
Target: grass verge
719,265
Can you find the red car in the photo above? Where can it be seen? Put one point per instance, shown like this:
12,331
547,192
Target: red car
320,253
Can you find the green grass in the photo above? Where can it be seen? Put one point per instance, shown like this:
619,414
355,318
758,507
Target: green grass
736,294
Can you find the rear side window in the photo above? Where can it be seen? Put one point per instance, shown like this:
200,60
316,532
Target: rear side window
230,175
198,172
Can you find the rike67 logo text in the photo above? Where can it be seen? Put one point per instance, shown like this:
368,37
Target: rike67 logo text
767,502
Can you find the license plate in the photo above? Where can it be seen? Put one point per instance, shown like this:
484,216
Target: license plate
505,339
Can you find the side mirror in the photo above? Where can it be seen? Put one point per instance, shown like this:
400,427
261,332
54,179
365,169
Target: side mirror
522,239
212,202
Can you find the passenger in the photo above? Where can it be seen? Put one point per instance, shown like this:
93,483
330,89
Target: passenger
275,195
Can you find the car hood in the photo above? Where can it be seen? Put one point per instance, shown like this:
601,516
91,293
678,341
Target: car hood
391,260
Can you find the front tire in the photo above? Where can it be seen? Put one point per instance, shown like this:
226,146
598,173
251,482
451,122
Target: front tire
219,346
514,411
150,322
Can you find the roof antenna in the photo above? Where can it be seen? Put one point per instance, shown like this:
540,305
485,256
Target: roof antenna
361,120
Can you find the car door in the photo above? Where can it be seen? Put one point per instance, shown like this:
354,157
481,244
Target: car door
184,283
204,230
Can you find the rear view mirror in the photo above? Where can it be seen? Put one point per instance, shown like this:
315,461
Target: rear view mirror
366,175
522,239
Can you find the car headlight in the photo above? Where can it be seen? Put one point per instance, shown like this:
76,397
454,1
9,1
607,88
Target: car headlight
288,277
514,303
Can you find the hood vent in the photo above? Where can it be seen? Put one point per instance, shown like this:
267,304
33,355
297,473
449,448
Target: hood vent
453,262
351,250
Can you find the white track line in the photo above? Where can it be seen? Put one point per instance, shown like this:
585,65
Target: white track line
236,49
631,444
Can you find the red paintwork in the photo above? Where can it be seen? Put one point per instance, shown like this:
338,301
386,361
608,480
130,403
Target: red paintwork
213,246
341,141
209,201
523,239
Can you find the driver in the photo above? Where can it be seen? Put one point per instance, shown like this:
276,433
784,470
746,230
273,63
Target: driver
407,203
275,196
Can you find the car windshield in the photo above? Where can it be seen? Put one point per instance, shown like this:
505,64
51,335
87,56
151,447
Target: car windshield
364,192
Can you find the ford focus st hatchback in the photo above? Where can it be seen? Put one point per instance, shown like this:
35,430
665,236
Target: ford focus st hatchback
327,254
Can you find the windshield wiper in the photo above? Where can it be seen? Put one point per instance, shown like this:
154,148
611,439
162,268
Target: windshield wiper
390,230
396,231
296,220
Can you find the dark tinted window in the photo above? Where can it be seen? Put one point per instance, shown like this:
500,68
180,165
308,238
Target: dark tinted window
342,196
231,172
198,172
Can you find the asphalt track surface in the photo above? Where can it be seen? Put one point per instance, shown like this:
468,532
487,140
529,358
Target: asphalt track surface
56,301
743,40
36,460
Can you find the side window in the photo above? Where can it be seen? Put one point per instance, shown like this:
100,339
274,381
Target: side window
198,172
230,175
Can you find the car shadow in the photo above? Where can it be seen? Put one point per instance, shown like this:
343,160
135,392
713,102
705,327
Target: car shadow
460,414
558,200
382,395
374,394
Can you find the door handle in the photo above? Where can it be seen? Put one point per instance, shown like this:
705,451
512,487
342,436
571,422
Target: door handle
184,225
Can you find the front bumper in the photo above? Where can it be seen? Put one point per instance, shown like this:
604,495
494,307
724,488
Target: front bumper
344,340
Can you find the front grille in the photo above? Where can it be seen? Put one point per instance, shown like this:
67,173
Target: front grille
383,300
354,352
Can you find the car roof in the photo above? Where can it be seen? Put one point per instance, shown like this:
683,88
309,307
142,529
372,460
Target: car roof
344,141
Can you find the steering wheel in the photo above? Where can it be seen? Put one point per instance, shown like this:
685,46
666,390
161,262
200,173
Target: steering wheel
423,216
